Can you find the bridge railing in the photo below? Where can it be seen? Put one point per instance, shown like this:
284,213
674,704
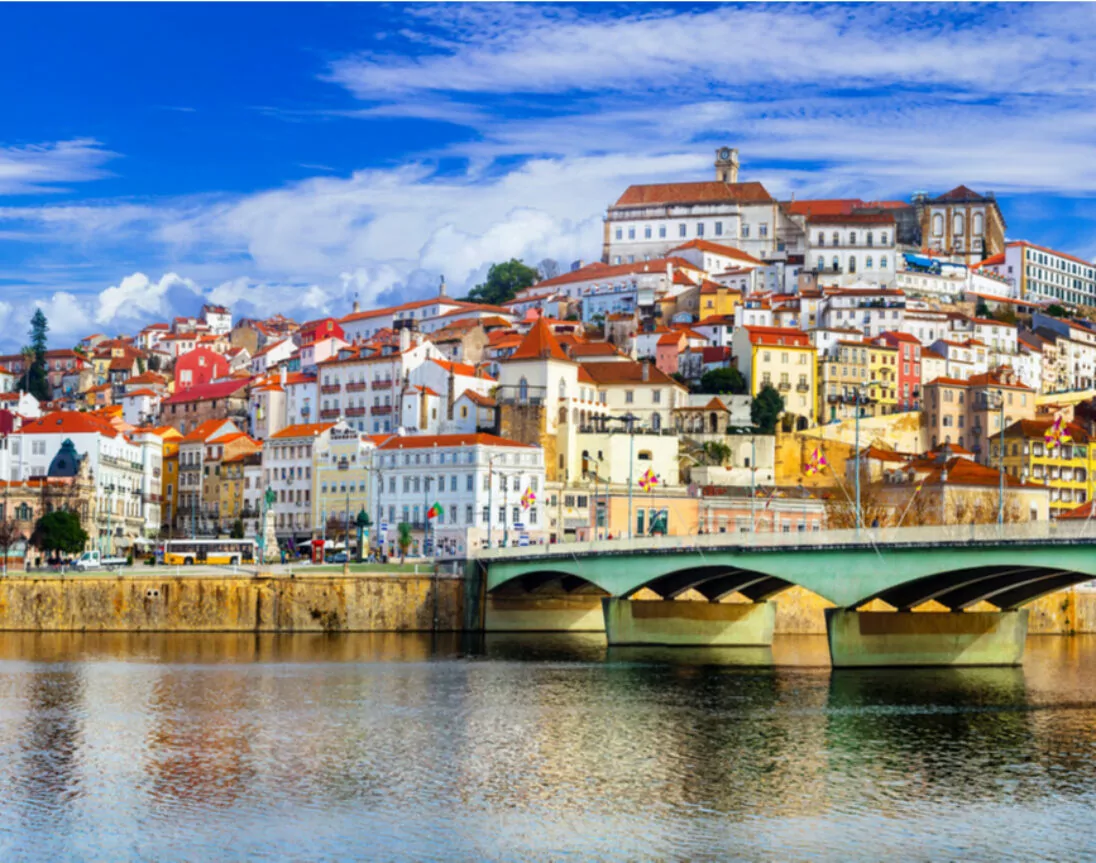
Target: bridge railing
931,535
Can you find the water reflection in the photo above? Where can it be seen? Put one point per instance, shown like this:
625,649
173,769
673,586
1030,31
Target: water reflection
184,747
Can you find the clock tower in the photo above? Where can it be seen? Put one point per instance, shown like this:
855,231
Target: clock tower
726,165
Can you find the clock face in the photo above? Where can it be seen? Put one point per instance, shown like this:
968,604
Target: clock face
724,153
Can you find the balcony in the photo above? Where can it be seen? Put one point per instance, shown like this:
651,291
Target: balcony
355,412
356,387
802,388
328,389
784,387
381,410
329,414
382,385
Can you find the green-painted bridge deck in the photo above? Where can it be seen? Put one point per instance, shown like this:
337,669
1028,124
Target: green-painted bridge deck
958,566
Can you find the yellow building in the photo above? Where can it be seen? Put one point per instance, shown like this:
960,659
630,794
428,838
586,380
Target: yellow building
1066,469
839,379
717,300
231,485
785,359
169,480
340,478
884,374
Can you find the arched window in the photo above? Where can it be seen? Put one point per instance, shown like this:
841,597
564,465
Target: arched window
852,263
957,224
562,389
868,262
713,422
938,225
836,238
836,263
979,224
883,238
821,263
562,416
656,422
882,262
821,238
870,238
523,390
852,238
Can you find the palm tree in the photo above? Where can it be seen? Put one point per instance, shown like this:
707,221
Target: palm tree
403,539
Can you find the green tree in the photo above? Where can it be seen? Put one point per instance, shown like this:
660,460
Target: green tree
503,281
716,453
237,531
981,310
722,382
1057,311
403,538
36,381
59,530
153,363
766,409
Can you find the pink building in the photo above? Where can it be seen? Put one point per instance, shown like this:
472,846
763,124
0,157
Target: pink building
198,367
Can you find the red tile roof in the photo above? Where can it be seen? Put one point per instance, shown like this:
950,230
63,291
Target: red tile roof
778,336
709,191
302,430
539,343
206,392
69,422
718,249
443,440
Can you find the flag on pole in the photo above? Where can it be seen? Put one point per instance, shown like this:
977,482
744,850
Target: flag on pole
1056,434
528,499
434,511
648,481
816,463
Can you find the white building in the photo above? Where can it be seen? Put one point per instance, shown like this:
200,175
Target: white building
140,406
218,319
872,311
272,355
287,469
649,220
474,478
1041,274
852,247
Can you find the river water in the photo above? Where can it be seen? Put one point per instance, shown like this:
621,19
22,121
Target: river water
310,747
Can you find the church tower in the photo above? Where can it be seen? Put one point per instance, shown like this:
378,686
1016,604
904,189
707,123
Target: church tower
726,164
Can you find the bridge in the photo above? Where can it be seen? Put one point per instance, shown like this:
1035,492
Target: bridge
957,567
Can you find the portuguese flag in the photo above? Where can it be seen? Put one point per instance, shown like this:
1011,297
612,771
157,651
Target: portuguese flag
434,511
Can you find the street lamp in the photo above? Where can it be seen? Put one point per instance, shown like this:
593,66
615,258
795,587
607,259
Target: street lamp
1000,460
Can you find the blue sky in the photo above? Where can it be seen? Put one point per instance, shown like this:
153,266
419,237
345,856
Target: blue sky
287,157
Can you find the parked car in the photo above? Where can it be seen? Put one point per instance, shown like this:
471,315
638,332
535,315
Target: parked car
338,557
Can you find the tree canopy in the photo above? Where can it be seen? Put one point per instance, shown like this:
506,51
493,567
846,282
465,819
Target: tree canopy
34,379
502,282
719,382
59,530
1057,311
766,409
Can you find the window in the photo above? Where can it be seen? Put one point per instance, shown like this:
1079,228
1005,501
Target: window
662,231
681,229
629,396
631,233
868,262
700,229
957,225
763,229
719,229
656,396
745,231
938,225
882,262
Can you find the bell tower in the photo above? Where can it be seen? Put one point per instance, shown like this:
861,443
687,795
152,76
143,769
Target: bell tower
726,164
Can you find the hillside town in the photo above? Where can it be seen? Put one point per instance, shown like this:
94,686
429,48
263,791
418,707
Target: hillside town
731,363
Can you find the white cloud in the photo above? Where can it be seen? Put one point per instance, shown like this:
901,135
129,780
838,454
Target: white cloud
40,168
137,298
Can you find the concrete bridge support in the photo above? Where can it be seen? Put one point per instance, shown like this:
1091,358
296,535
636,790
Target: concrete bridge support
688,624
891,638
543,613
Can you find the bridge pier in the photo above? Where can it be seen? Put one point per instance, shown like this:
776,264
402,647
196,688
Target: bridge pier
688,624
543,613
890,638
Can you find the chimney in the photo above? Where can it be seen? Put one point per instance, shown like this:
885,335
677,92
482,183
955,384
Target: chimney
405,339
646,372
281,375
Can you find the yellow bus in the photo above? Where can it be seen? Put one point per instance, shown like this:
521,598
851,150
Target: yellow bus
208,552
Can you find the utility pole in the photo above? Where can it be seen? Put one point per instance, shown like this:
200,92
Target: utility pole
631,469
1001,465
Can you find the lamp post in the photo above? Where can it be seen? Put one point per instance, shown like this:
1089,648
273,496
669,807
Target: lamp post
1001,462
